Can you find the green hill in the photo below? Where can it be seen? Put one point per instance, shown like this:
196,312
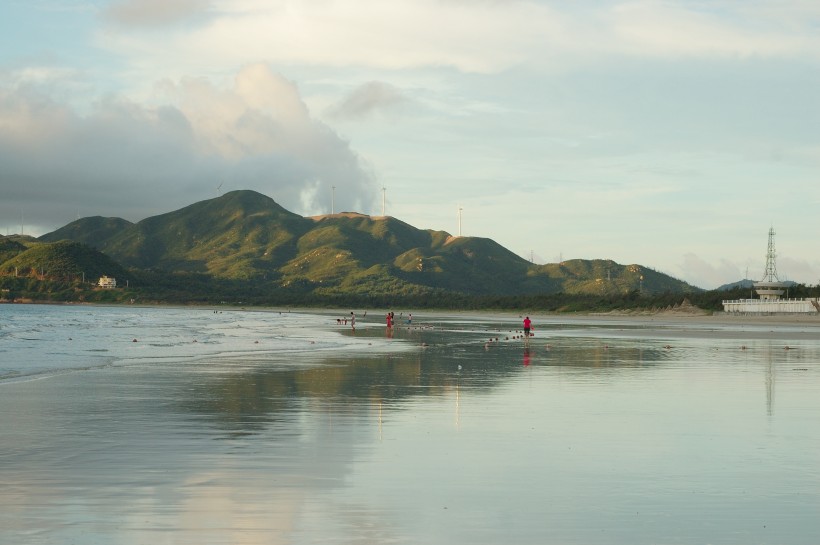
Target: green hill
244,236
62,260
10,248
470,265
95,231
605,277
241,235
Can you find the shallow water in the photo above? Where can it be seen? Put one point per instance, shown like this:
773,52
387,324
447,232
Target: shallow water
260,427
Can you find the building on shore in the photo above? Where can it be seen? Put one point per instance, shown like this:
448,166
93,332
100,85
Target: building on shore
770,292
776,306
107,283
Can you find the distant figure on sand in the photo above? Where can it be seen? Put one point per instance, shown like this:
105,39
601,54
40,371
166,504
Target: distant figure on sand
527,326
352,321
389,321
410,318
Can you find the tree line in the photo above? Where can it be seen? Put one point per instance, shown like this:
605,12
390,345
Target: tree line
151,287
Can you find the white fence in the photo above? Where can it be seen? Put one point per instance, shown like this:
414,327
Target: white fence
773,306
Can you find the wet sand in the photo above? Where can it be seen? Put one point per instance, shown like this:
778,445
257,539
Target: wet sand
661,324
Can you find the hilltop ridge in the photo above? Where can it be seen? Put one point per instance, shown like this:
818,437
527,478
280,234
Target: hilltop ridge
244,236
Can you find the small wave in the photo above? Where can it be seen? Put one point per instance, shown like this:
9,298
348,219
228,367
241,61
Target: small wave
14,376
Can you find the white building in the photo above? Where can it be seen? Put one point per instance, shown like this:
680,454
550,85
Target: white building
772,306
107,282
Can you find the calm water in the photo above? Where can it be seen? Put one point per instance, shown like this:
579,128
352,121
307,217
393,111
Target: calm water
265,427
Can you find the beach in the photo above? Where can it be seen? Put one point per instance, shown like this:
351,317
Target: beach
188,426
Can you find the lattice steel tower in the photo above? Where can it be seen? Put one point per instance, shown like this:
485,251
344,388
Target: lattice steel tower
770,288
770,274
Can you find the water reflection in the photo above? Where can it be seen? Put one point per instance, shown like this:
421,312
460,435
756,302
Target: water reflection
591,439
269,387
770,379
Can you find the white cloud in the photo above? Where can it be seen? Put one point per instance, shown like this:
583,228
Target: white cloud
704,274
262,113
126,159
651,28
145,13
368,99
799,270
472,37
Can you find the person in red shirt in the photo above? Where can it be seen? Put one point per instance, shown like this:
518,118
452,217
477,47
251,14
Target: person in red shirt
527,326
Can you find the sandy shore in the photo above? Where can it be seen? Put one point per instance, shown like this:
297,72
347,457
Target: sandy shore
719,318
746,329
688,315
670,317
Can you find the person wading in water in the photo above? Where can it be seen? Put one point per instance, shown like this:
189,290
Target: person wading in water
527,327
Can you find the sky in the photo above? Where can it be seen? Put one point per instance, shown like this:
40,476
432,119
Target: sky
670,134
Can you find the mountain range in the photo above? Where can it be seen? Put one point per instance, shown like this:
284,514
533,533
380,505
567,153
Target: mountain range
244,236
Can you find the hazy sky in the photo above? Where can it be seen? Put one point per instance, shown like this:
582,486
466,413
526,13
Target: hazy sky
670,134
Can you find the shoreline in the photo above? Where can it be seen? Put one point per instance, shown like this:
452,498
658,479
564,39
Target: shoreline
693,316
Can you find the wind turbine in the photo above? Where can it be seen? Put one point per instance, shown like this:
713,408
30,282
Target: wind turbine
218,192
459,220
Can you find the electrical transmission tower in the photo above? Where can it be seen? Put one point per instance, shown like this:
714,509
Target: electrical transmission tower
770,274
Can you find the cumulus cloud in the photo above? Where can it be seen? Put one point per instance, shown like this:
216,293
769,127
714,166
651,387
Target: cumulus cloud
126,159
704,274
368,99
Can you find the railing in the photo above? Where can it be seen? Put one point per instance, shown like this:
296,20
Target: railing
758,301
807,305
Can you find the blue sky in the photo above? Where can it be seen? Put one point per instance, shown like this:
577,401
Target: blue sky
671,134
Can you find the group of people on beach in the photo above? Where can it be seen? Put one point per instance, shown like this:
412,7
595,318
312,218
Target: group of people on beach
390,318
344,319
352,319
